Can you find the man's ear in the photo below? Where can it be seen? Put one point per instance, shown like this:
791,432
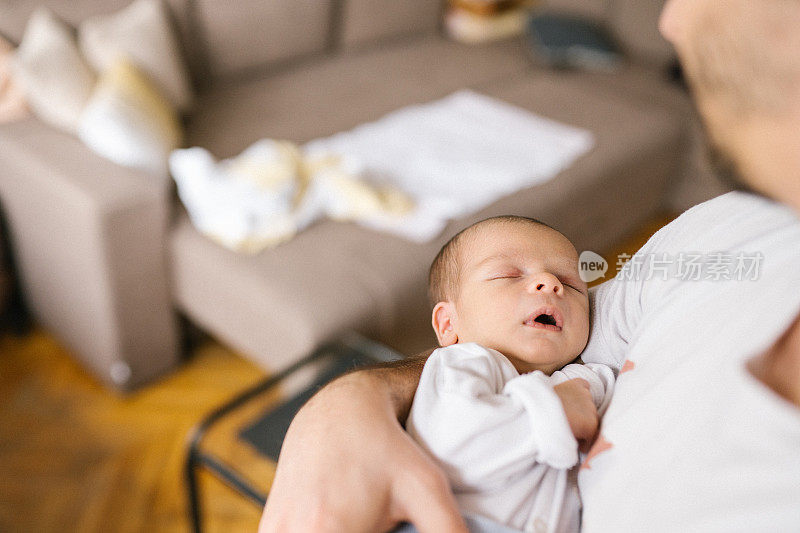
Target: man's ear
443,320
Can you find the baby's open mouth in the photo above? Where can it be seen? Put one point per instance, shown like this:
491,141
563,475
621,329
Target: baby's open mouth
545,318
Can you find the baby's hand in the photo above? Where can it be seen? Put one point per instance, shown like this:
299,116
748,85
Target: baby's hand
580,410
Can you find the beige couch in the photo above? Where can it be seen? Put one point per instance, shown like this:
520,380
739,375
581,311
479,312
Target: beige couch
5,283
108,259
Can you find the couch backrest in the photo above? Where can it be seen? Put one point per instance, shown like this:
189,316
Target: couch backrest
14,15
242,35
224,38
634,23
595,9
365,22
219,38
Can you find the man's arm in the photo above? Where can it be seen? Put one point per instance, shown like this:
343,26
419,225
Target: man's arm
401,379
347,465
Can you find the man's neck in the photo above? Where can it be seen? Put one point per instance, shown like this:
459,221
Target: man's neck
779,367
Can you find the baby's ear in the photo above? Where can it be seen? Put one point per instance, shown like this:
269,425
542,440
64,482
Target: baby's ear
444,323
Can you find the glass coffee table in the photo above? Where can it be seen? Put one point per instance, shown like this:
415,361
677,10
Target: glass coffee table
239,442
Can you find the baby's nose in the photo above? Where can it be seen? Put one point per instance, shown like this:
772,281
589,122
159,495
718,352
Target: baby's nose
546,283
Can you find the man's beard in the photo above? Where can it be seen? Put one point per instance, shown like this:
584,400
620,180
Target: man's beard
722,164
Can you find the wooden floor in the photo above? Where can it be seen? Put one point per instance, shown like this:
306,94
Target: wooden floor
75,457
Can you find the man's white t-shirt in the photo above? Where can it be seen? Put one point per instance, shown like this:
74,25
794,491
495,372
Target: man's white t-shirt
691,441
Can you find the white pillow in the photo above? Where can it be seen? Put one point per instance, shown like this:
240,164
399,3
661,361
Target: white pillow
269,192
245,203
12,97
50,67
141,32
128,121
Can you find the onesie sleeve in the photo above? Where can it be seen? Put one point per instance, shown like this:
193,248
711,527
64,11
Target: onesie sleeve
600,378
483,422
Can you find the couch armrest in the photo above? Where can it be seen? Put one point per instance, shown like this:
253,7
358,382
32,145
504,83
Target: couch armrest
90,242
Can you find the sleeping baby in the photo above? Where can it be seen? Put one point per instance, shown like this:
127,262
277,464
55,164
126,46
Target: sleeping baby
511,313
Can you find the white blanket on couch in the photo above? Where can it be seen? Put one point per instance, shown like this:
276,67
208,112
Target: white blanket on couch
457,155
407,173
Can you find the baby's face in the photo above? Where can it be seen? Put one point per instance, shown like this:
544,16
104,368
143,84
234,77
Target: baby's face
521,294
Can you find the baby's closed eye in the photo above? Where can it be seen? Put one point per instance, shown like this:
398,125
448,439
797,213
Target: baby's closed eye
506,274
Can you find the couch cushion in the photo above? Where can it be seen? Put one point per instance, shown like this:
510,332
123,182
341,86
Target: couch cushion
327,96
278,305
645,86
639,151
367,21
247,34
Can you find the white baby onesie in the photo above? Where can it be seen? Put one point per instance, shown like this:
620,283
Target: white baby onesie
502,438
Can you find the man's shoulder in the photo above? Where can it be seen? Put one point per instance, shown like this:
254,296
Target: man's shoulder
736,203
738,247
731,221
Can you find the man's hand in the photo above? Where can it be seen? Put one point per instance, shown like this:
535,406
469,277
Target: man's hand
779,367
347,466
580,410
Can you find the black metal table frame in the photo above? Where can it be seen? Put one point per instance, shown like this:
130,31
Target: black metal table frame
196,458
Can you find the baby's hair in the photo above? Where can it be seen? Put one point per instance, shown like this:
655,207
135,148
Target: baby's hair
445,272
